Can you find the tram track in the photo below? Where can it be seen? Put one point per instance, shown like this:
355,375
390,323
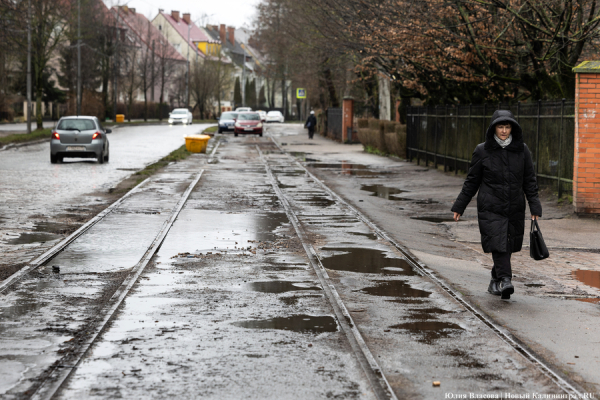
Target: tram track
568,388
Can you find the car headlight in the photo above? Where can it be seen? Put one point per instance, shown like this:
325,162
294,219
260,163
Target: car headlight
259,125
237,125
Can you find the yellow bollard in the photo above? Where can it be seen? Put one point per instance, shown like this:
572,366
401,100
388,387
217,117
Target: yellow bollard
120,118
196,143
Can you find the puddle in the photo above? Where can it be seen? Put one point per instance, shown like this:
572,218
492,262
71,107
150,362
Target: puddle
381,191
203,230
535,285
394,289
371,236
302,156
27,238
348,168
464,359
593,301
590,278
53,227
296,323
284,267
369,261
427,313
282,186
18,310
436,220
406,301
280,286
319,201
426,201
289,301
430,331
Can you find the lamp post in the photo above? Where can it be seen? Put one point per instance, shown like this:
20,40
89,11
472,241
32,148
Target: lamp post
187,85
78,57
29,66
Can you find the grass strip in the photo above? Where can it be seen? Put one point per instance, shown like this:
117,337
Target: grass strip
211,129
26,137
176,155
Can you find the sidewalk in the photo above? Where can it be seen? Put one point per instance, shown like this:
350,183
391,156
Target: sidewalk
552,310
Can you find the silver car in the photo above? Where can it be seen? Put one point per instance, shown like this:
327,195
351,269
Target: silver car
180,116
80,136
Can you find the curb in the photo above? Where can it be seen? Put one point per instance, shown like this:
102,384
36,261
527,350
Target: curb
18,145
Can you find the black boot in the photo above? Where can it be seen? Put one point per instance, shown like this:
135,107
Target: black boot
506,288
493,288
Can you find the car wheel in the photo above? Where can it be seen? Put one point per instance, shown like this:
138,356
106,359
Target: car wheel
53,158
219,131
106,157
260,134
235,134
100,158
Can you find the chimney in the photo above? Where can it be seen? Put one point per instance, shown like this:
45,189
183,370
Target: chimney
175,15
231,32
187,18
161,10
222,33
132,10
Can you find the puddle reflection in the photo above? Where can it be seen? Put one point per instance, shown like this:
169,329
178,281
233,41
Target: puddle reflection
280,286
381,191
363,260
395,289
296,323
429,331
590,278
28,238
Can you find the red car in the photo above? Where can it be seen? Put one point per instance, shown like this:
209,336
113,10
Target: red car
248,122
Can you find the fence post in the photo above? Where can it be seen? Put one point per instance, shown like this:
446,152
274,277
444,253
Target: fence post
426,137
469,128
435,139
456,143
537,138
483,119
445,136
347,119
560,138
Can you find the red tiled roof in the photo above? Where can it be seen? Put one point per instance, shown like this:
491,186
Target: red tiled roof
147,32
195,34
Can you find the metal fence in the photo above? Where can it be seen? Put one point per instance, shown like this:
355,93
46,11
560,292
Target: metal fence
447,135
334,122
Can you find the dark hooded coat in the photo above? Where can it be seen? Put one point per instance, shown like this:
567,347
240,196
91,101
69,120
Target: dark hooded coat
503,177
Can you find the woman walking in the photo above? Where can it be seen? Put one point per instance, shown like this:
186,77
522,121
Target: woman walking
502,171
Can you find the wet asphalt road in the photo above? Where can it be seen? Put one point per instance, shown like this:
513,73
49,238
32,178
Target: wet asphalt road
231,307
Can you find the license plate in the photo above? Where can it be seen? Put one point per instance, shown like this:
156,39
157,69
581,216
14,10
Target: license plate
248,129
75,148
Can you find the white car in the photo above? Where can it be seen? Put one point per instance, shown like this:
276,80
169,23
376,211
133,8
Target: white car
243,109
275,116
180,116
263,116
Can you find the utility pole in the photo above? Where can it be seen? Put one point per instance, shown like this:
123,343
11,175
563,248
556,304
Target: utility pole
187,86
243,83
116,67
153,57
78,57
28,66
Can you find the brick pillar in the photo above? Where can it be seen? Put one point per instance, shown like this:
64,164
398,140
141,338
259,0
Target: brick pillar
347,118
397,119
586,168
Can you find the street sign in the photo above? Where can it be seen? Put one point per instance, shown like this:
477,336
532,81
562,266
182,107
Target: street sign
300,93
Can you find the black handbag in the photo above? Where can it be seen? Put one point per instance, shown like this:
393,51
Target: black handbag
537,246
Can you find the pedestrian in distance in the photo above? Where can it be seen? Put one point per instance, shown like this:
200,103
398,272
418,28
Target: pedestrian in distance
502,171
311,124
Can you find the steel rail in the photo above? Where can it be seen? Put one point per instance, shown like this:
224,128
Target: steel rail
54,250
569,388
60,373
377,379
57,248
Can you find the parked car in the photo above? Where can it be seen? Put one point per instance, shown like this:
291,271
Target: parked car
227,121
275,116
248,122
243,109
180,116
263,115
79,136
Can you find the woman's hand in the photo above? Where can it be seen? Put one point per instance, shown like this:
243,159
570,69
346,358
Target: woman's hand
534,217
456,216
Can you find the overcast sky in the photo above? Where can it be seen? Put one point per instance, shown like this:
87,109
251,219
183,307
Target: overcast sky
230,12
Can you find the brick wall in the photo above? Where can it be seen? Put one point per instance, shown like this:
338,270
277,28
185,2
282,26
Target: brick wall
586,169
